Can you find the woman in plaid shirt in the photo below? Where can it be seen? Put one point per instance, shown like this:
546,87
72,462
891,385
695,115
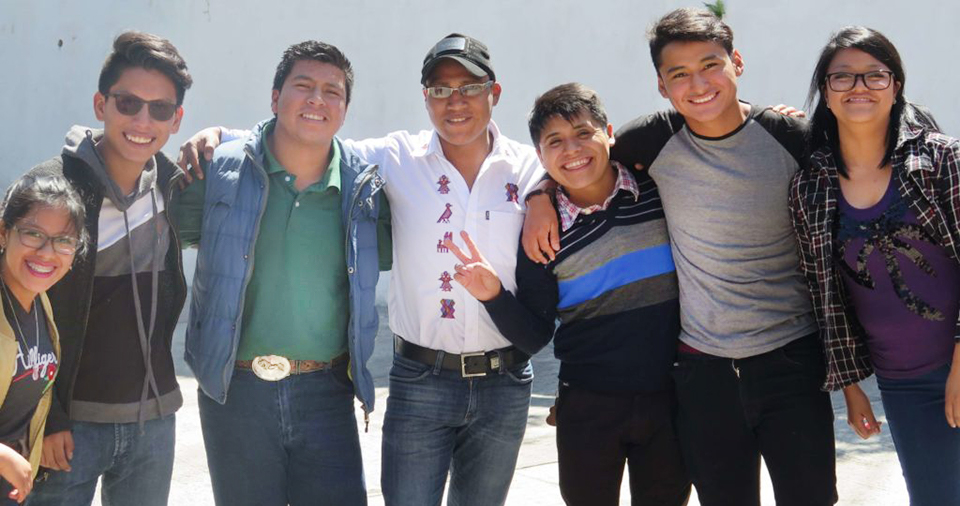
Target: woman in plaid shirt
876,215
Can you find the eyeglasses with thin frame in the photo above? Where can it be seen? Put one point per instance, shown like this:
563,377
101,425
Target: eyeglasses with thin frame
874,80
129,105
35,239
467,90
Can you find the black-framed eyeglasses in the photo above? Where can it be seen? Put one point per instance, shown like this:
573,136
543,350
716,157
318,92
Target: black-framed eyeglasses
129,105
35,239
467,90
874,80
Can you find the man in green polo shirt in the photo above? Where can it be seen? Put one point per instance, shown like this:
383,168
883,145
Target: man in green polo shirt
298,288
283,317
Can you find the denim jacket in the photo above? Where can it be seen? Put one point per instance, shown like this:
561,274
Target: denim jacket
234,203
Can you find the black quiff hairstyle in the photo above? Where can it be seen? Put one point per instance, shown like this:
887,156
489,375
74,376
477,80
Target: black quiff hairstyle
145,50
688,25
567,101
316,51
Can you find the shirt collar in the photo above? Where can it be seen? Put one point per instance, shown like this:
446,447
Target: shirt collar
330,179
434,148
569,211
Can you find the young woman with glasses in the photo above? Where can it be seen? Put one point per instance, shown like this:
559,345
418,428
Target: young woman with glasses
41,231
877,217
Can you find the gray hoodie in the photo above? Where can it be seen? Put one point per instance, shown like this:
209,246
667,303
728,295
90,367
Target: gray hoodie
133,238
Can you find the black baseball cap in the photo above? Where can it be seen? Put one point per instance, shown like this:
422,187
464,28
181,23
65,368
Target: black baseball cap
467,51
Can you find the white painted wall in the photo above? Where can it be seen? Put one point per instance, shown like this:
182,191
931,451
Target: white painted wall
232,48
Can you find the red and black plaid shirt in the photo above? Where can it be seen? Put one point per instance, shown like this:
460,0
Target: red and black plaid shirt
926,166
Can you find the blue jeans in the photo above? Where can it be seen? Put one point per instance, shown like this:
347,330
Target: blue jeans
292,441
928,449
438,423
136,468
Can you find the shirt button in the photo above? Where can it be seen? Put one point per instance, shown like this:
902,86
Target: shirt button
296,204
349,270
287,179
245,257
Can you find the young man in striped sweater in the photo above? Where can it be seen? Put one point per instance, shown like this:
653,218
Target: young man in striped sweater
614,288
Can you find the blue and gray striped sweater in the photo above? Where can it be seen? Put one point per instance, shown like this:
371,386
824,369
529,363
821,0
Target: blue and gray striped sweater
613,287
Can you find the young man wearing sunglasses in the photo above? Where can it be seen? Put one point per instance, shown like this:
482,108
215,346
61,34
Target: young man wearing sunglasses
116,392
459,392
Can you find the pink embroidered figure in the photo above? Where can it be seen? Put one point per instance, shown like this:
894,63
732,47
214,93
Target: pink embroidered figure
445,217
446,308
440,247
512,192
445,280
444,184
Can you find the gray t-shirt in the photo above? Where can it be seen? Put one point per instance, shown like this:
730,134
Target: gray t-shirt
725,200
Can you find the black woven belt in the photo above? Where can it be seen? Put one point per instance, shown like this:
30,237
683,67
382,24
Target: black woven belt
469,365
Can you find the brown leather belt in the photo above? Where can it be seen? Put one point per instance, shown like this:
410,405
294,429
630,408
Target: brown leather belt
469,365
301,366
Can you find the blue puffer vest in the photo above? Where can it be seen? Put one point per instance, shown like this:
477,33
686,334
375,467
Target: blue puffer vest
236,197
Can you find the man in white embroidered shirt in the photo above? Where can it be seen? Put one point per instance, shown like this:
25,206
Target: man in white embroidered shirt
459,392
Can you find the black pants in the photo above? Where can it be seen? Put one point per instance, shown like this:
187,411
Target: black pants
733,411
597,432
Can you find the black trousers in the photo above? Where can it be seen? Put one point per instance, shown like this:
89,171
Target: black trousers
598,432
733,411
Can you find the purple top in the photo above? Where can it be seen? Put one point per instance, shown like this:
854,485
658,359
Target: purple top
904,286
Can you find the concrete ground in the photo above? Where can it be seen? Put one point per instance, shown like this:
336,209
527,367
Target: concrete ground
867,471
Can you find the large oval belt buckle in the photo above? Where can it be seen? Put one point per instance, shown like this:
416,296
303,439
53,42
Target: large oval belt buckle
271,367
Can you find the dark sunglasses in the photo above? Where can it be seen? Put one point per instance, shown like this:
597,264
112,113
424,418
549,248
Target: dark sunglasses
130,105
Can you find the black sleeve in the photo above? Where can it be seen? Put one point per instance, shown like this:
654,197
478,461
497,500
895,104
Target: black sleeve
792,133
641,140
528,319
57,418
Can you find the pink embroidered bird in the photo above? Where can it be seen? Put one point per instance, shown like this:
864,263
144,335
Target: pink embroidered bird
445,217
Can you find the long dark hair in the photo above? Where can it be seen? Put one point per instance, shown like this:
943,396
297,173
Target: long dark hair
824,123
28,193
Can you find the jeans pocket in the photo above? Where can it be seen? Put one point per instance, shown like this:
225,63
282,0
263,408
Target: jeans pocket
405,370
804,353
522,374
681,372
791,359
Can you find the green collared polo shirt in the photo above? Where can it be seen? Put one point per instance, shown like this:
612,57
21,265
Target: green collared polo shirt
297,301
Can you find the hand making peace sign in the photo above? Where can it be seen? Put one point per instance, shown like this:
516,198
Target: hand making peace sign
475,273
